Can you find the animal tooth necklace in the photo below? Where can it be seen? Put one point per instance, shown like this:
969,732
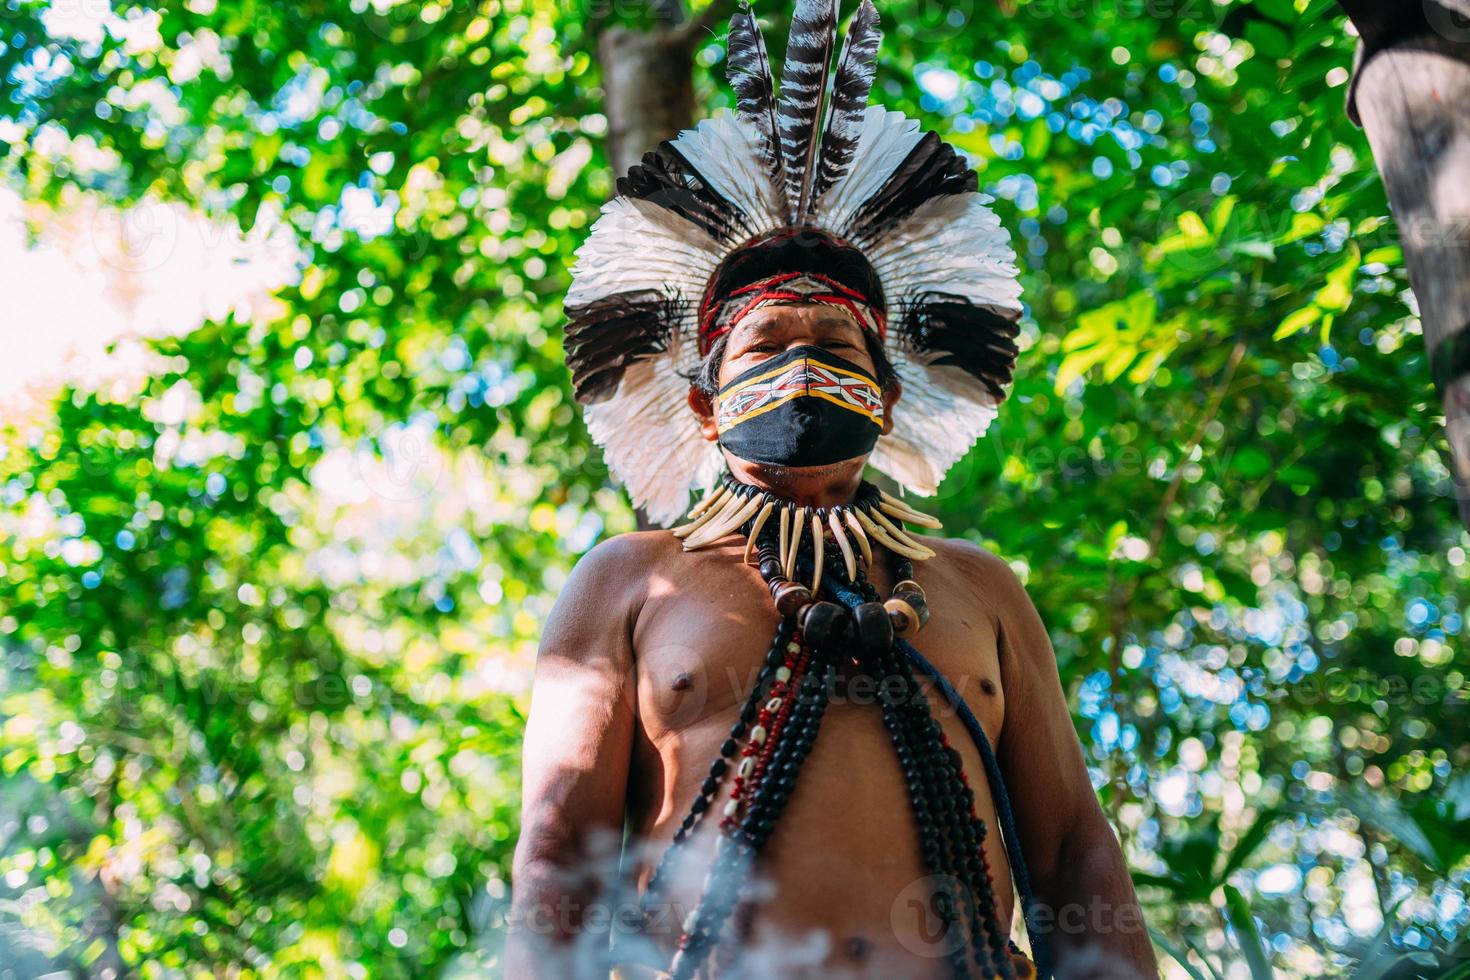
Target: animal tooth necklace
831,620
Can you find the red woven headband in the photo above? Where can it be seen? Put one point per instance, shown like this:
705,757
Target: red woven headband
719,316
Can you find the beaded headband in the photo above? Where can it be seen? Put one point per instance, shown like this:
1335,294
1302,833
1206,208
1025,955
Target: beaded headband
784,288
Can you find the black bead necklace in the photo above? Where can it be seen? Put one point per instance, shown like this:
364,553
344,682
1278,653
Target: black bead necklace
780,717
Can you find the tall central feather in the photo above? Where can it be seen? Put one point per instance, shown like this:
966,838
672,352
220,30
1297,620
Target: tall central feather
749,72
803,83
850,87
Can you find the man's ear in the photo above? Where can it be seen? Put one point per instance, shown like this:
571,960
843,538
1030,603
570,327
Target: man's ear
891,395
704,410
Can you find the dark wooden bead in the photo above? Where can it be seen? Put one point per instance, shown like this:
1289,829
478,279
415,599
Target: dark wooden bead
916,600
874,630
728,749
717,769
790,597
770,569
701,804
823,622
903,617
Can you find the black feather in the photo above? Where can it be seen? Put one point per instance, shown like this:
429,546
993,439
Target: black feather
978,339
668,179
605,336
803,84
856,66
749,71
932,169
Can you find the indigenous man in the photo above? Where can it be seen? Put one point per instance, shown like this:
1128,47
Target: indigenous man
831,744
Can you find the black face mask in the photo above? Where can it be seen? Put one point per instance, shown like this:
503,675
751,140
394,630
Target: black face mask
804,407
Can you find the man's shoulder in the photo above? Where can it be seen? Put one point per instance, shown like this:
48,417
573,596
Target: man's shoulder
625,558
611,581
985,567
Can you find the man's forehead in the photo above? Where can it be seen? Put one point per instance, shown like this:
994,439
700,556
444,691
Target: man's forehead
776,317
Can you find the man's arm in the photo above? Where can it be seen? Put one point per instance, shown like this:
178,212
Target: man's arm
574,766
1089,912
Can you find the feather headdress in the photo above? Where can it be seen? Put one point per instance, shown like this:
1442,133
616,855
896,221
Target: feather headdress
818,163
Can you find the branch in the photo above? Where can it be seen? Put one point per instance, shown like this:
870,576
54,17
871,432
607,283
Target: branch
692,31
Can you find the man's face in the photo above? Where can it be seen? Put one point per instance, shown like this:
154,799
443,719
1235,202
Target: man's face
771,330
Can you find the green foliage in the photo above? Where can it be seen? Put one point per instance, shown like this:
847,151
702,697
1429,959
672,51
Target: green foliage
258,691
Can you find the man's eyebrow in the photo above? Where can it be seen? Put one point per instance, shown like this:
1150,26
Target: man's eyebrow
759,325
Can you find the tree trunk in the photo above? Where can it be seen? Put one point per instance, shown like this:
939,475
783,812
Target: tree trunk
1412,93
648,88
648,80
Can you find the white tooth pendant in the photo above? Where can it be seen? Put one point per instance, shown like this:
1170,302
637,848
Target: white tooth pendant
840,536
874,516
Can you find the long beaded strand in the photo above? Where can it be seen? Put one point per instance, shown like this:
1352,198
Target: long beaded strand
781,716
962,857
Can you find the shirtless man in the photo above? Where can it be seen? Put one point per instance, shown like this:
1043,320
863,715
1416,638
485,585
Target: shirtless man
642,671
820,283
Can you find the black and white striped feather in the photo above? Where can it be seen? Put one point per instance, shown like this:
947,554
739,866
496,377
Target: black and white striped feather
605,336
749,71
932,170
803,84
669,180
856,66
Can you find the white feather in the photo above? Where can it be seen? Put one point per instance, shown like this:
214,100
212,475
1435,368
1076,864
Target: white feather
637,245
652,441
952,244
943,412
725,152
885,141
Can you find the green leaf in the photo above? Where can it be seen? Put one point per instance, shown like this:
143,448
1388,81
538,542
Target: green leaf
1254,836
1302,225
1252,947
1178,954
1194,229
1282,11
1250,462
1296,322
1269,40
1038,138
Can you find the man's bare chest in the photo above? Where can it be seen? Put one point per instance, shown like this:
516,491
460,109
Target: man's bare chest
700,639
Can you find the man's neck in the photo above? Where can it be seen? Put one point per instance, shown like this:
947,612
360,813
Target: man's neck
809,486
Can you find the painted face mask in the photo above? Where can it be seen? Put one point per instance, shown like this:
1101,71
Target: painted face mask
804,407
